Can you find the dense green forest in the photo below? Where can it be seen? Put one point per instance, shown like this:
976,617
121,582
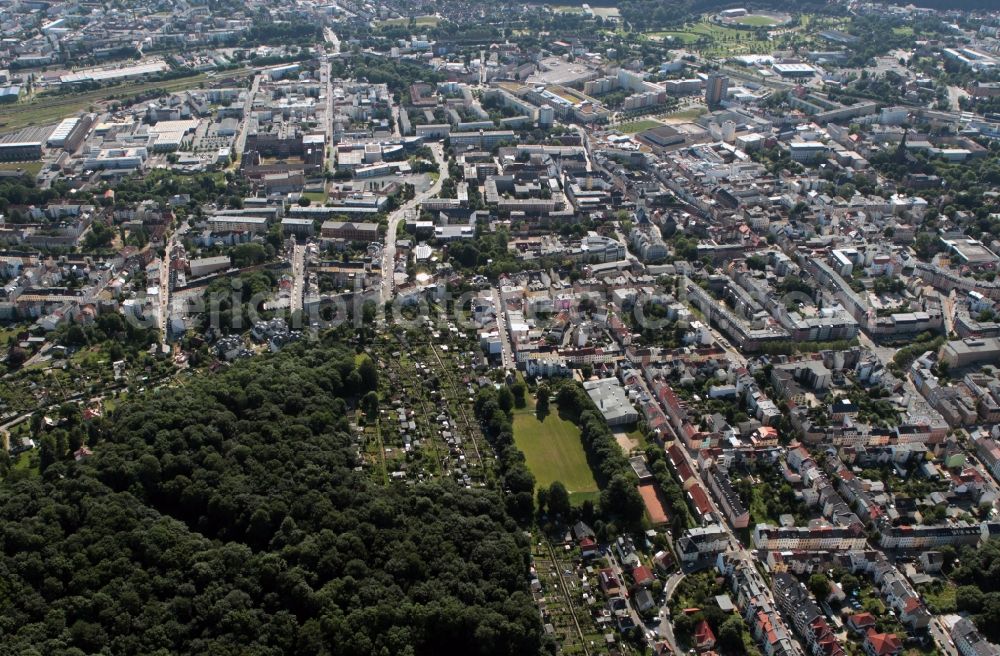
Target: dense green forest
229,516
978,577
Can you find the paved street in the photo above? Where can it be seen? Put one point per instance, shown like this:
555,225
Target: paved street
940,634
506,351
298,277
163,311
241,139
665,627
332,39
620,573
387,286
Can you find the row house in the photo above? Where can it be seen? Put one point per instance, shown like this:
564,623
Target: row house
819,536
758,608
930,536
794,601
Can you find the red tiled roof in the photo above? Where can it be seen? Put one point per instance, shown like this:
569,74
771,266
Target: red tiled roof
700,498
883,644
862,620
641,573
703,634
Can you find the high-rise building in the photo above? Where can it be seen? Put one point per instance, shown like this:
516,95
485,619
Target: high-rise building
546,116
716,89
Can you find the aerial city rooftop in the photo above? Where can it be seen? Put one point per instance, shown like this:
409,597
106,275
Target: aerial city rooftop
415,327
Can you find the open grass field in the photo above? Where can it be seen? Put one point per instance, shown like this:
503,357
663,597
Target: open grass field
31,168
714,39
683,115
45,109
553,452
637,126
27,461
316,197
9,331
686,38
89,357
756,20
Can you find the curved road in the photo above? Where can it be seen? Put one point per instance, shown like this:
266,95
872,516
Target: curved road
665,630
389,250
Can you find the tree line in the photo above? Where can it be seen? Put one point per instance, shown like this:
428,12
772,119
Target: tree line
620,499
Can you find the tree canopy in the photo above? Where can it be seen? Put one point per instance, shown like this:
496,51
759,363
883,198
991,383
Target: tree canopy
230,516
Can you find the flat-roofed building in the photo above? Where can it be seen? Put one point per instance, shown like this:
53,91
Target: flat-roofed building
20,151
611,399
61,133
206,265
433,130
481,138
116,158
794,69
961,353
663,136
232,223
349,230
971,252
803,151
291,225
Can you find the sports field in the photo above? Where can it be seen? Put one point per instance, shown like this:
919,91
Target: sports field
553,452
757,20
654,508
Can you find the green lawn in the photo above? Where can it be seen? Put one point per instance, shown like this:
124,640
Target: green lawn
717,39
554,452
687,114
638,126
686,38
639,438
316,197
111,403
27,462
940,597
89,357
754,20
6,332
31,168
